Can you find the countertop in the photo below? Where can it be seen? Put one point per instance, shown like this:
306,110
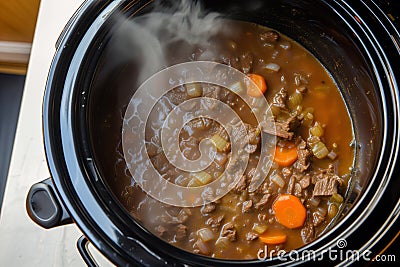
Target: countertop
22,242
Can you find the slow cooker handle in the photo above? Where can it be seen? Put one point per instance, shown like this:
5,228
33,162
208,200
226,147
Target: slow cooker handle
44,207
82,245
144,257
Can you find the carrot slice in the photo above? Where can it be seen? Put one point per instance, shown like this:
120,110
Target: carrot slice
259,89
289,211
286,155
273,238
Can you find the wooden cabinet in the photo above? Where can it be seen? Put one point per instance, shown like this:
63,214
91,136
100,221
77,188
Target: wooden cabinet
17,26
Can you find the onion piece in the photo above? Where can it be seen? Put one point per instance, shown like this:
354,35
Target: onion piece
182,180
273,67
193,183
314,201
194,89
260,228
321,211
203,247
202,177
285,45
237,87
222,243
205,234
277,179
332,155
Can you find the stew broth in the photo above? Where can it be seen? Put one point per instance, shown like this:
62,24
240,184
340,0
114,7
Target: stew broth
318,127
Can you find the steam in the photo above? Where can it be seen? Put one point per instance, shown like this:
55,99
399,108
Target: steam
166,36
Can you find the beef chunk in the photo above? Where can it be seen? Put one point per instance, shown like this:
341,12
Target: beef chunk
224,94
209,103
153,149
160,230
253,134
181,231
294,185
200,124
184,215
265,188
215,222
283,129
262,217
300,79
301,89
208,194
241,185
250,148
269,36
211,90
229,231
326,182
326,186
247,205
160,162
318,217
322,173
287,171
177,95
303,155
249,137
297,190
221,158
175,217
305,181
264,200
231,61
291,184
231,100
208,208
251,173
279,99
307,233
238,133
250,236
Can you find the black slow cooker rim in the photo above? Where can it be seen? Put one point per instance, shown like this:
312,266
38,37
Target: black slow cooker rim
68,41
53,137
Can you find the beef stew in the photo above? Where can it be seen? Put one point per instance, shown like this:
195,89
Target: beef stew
305,187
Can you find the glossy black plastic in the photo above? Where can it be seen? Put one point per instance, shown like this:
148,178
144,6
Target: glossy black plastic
357,44
83,247
44,207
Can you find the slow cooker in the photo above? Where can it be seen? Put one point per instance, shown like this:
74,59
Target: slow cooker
357,44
